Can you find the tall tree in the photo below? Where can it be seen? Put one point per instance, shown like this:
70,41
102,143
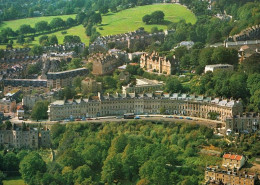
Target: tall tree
31,165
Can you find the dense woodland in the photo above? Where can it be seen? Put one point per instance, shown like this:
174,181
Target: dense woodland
136,152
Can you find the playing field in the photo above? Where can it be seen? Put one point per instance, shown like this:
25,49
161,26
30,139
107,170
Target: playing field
113,23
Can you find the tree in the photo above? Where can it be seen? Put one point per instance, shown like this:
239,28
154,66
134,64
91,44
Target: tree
10,162
8,125
146,19
71,39
1,53
39,110
70,22
31,165
37,50
251,64
104,9
205,56
74,64
20,39
162,110
41,26
26,29
173,85
2,177
222,55
57,23
157,17
53,40
154,30
44,40
80,17
96,18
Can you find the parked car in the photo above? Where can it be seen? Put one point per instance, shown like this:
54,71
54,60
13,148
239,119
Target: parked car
188,118
78,119
180,117
137,117
89,119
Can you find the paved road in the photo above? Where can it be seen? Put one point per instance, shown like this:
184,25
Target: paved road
201,121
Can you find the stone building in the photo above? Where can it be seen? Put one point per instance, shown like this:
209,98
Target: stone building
7,106
148,103
127,40
233,161
27,86
30,100
18,138
143,85
90,85
155,63
104,63
214,67
230,172
57,80
124,76
215,175
243,123
250,33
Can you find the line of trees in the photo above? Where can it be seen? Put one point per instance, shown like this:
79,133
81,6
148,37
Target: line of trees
40,28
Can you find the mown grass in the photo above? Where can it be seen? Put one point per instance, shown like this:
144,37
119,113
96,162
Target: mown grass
131,19
14,181
113,23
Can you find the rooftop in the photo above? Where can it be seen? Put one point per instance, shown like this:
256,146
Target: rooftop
233,157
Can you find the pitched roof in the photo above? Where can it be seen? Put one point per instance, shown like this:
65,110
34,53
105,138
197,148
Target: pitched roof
233,157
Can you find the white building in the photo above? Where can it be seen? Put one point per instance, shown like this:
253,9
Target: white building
143,85
214,67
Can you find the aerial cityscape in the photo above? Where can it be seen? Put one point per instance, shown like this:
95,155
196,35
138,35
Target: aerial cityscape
129,92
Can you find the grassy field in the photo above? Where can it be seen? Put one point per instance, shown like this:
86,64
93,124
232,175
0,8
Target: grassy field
131,19
15,24
113,23
14,181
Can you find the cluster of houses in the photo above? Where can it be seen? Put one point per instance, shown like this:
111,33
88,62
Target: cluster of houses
230,172
127,40
141,96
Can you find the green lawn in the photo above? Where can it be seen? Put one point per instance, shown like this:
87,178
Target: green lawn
131,19
14,181
15,24
113,23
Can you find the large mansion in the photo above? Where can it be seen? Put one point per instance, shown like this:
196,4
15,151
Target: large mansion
155,63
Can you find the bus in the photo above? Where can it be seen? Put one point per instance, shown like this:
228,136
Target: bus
129,116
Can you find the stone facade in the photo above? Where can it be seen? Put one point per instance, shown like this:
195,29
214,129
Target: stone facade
7,106
233,161
90,85
127,40
57,80
227,177
32,138
26,85
148,103
247,123
29,100
230,172
104,63
251,33
214,67
143,85
154,63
